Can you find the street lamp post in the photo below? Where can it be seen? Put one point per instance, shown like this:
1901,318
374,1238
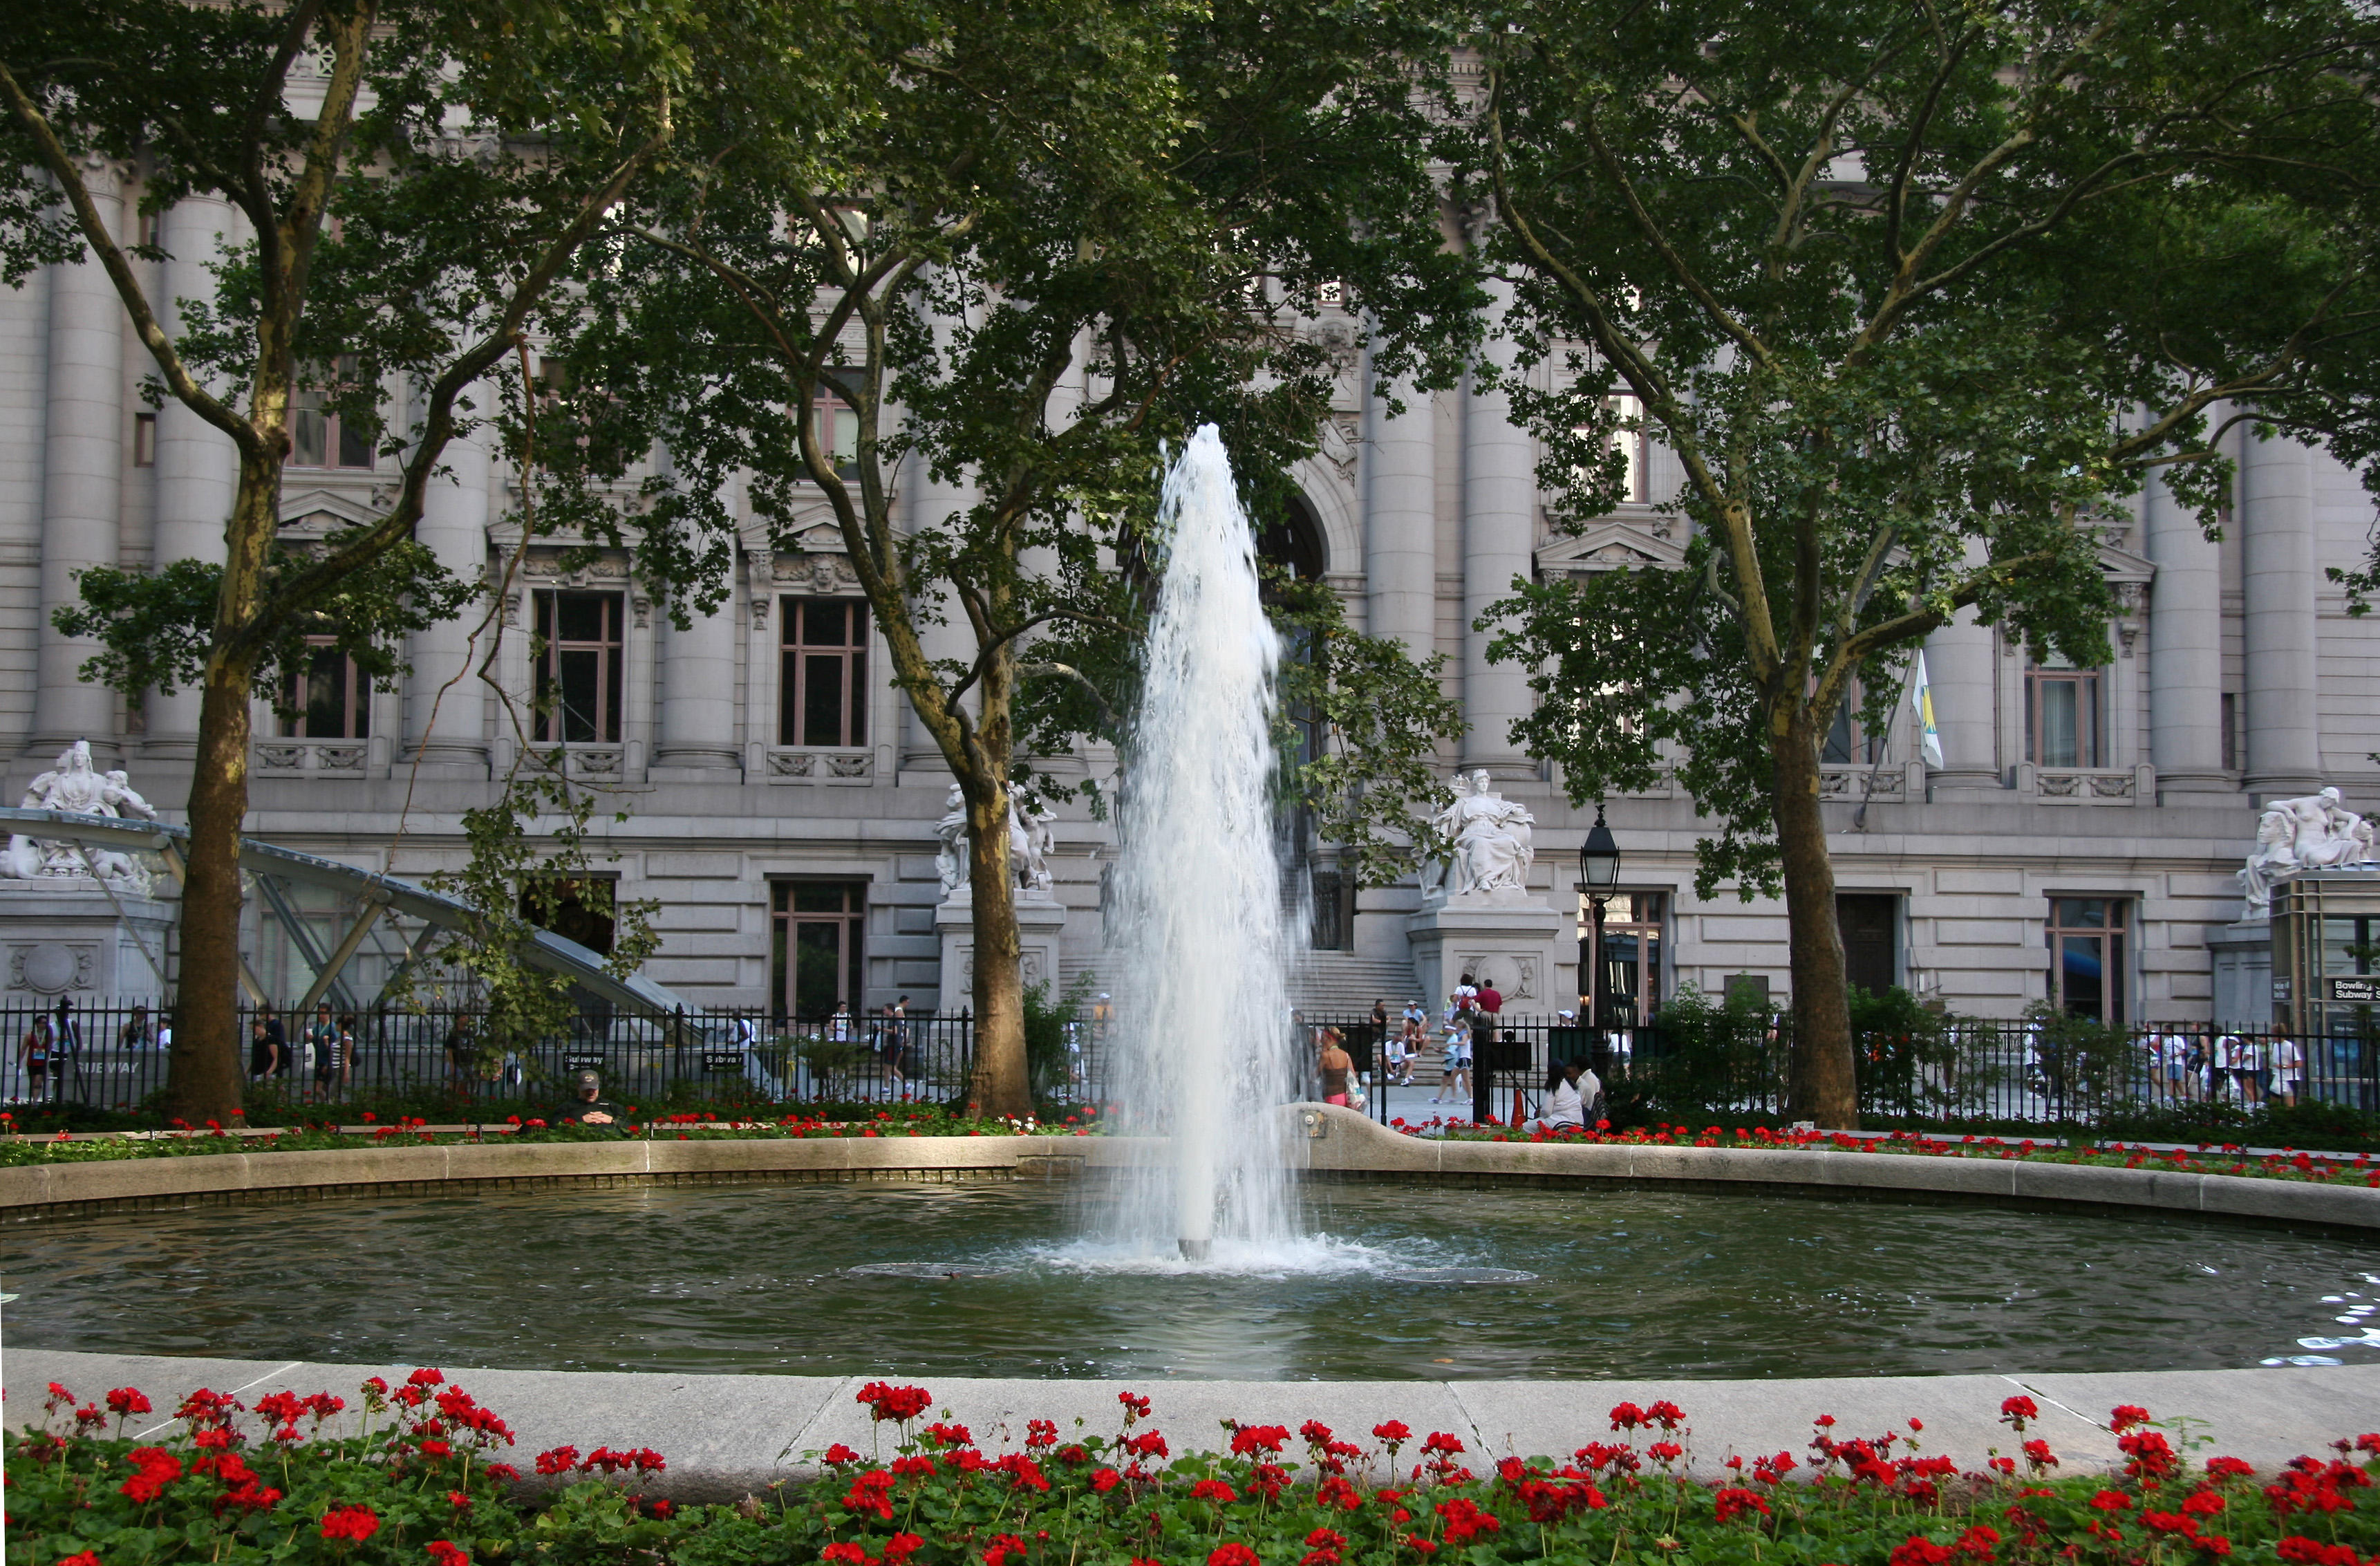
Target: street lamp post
1599,872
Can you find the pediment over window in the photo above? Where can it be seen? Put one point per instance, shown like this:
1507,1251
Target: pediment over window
2121,566
1613,543
322,510
813,530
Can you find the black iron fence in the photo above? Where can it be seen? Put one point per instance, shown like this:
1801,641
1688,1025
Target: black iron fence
1692,1066
114,1058
1945,1070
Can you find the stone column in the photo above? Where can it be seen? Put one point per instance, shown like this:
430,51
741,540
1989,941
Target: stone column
455,529
2185,648
1959,665
197,467
2276,506
697,707
82,454
1401,518
1499,520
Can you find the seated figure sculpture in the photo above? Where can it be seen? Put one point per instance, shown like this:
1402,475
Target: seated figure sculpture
2316,832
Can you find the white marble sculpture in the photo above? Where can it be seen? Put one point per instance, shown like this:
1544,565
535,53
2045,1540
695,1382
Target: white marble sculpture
2316,832
1031,838
73,785
951,832
1492,839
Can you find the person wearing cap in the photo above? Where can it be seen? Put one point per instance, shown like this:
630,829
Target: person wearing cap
588,1106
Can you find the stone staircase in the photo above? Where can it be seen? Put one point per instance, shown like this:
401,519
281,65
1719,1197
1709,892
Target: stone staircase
1344,983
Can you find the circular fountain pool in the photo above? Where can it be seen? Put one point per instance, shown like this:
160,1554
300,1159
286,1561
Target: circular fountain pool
761,1279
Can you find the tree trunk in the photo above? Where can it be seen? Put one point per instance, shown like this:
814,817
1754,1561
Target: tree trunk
204,1080
1002,1086
1824,1087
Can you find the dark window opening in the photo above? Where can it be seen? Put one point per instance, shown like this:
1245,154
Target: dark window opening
1870,926
331,699
817,936
319,436
823,684
578,658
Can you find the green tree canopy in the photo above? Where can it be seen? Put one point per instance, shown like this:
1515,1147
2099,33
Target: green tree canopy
1913,297
415,182
1026,246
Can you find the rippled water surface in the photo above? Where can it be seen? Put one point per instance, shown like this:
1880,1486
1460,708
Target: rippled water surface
753,1279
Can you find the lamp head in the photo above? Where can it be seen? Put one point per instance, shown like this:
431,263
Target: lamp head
1598,860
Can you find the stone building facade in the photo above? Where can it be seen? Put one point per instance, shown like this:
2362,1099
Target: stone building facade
783,801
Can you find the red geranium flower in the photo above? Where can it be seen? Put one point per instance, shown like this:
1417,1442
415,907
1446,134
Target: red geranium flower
355,1522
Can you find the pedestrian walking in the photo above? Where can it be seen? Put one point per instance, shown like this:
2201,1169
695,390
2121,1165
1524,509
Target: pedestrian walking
33,1052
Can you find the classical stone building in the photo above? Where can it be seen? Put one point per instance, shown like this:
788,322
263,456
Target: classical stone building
783,801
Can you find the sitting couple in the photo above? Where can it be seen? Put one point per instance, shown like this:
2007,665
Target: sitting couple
1574,1097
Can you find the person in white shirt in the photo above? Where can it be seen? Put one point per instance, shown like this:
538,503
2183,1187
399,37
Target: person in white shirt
2223,1067
1565,1106
2170,1059
2290,1067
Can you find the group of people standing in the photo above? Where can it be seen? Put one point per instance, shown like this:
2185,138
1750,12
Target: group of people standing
323,1052
2228,1067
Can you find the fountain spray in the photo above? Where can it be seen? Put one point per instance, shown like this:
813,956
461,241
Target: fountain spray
1207,1052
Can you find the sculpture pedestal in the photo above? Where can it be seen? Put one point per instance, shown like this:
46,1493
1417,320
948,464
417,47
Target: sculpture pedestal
2242,958
1508,938
1041,919
61,936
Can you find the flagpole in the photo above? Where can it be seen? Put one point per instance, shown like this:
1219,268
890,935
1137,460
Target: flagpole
1883,748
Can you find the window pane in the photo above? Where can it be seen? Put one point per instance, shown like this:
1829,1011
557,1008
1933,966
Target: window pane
309,432
609,721
2082,968
581,685
818,966
855,694
354,447
326,696
823,620
582,615
810,898
2059,724
843,436
789,711
822,699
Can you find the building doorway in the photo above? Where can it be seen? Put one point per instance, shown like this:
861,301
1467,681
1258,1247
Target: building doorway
817,933
2088,964
1633,927
1869,923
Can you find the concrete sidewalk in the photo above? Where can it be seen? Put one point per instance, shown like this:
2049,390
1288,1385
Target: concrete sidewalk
726,1435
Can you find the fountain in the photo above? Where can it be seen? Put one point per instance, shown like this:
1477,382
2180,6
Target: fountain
1206,1050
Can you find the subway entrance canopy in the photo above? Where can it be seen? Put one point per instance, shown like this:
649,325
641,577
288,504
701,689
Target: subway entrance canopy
382,906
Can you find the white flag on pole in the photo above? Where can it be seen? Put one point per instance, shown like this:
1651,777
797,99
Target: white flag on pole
1921,701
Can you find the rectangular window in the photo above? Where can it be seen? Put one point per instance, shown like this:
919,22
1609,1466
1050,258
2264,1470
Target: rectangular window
2061,717
2230,732
2087,961
816,930
1846,741
822,689
837,414
319,437
1629,443
144,440
579,656
329,701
